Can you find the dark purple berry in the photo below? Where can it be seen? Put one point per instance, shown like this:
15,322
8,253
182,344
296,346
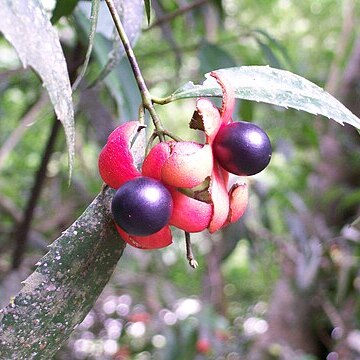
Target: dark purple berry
242,148
142,206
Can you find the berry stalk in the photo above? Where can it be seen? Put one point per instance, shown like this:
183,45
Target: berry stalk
144,91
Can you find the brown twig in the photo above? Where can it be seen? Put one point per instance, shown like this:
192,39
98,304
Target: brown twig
189,253
176,13
24,226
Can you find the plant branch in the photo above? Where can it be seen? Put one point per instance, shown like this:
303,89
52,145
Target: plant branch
145,94
24,226
189,253
176,13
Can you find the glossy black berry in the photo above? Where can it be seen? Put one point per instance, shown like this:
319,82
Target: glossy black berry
142,206
242,148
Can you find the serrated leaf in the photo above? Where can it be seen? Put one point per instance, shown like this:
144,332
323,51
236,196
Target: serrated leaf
63,8
27,27
62,290
272,86
148,10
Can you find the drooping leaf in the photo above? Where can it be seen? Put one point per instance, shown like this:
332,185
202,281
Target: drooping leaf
272,86
63,288
269,54
95,5
212,56
274,44
27,27
131,15
148,10
63,8
120,82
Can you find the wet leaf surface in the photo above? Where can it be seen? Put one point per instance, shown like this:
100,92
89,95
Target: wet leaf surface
61,291
272,86
27,27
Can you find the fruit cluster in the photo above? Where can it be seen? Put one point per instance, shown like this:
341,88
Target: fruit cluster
184,184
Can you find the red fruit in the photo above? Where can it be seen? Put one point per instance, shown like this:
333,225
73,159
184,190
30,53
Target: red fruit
139,317
116,162
203,346
158,240
183,164
189,214
239,197
220,198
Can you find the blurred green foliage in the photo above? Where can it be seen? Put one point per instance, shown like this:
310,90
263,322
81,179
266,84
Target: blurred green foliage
302,37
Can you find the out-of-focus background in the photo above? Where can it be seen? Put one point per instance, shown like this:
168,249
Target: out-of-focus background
283,282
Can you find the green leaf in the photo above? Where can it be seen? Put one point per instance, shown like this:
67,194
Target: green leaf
272,86
27,27
95,5
120,82
148,10
269,54
131,15
63,8
212,56
274,44
63,288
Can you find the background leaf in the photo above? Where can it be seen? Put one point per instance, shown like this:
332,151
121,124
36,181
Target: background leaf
63,8
95,5
148,10
27,27
274,45
212,56
273,86
120,82
131,15
269,54
64,287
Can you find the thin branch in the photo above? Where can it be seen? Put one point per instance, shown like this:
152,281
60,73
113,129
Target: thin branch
177,13
24,226
145,94
8,207
189,253
347,31
26,121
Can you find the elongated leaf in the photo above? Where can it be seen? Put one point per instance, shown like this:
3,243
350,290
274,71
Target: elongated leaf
64,287
273,86
63,8
120,82
270,57
27,27
131,15
212,56
274,44
95,6
148,10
